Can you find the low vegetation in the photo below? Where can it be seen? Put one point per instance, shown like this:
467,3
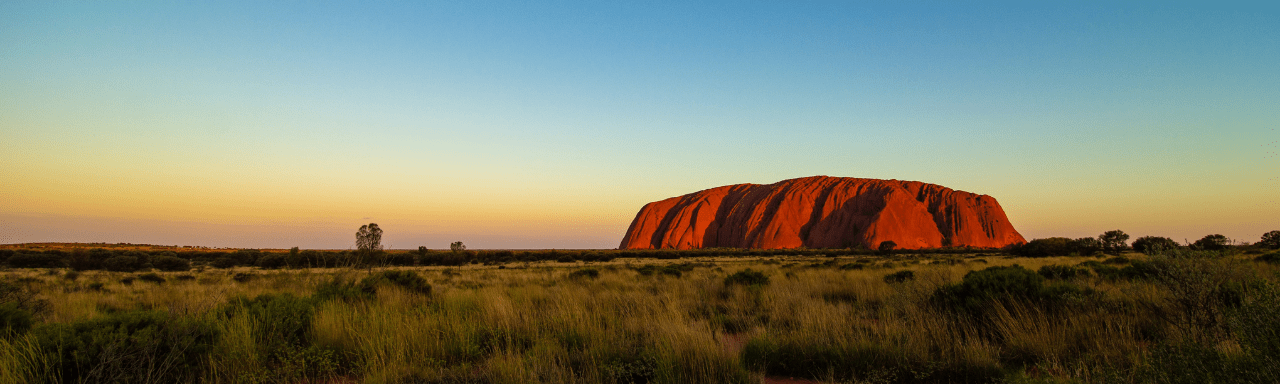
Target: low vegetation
1176,315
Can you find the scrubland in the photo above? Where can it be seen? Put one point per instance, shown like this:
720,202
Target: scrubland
1180,316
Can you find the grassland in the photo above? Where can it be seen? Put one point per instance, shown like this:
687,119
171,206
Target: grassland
1181,317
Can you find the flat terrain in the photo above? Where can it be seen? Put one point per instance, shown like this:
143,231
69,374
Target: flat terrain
901,318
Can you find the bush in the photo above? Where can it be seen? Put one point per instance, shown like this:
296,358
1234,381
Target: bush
272,261
71,275
1002,284
1154,244
13,320
283,320
1271,258
171,264
1270,240
151,278
223,263
127,347
862,362
899,277
1060,272
127,280
242,277
35,260
1212,243
339,289
588,273
121,264
405,279
748,278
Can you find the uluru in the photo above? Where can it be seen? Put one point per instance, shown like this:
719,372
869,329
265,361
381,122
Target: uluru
823,212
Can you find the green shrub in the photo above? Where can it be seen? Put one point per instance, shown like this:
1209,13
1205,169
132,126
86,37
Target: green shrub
748,278
171,264
223,263
675,270
980,289
242,277
184,277
283,320
900,277
1271,258
589,273
35,260
13,320
405,279
71,275
1153,244
272,261
128,280
348,291
121,264
1117,260
151,278
127,347
1061,272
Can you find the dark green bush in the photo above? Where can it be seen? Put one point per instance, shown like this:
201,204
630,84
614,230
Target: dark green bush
184,277
171,263
1154,244
127,347
121,264
405,279
272,261
151,278
128,280
13,320
1117,260
71,275
589,273
283,320
1060,272
980,289
900,277
1213,242
348,291
748,278
35,260
223,263
1272,258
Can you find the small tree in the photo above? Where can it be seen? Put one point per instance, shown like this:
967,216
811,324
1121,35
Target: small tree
1271,240
457,246
368,244
1154,244
1213,242
887,246
1114,242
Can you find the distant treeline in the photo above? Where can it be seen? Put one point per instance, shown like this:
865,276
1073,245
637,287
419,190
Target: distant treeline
168,260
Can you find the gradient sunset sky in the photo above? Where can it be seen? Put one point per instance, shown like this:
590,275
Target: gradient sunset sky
549,124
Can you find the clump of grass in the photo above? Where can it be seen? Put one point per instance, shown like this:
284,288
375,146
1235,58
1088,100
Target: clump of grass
900,277
242,277
405,279
747,277
151,278
587,273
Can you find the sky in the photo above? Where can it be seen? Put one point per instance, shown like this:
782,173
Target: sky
549,124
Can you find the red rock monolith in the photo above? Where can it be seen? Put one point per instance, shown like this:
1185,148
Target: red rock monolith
823,212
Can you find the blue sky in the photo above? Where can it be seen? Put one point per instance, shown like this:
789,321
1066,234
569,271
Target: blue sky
540,125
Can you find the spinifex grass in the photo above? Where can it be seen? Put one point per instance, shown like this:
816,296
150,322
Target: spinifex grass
814,317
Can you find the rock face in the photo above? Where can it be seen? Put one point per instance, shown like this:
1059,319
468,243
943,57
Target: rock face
823,212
